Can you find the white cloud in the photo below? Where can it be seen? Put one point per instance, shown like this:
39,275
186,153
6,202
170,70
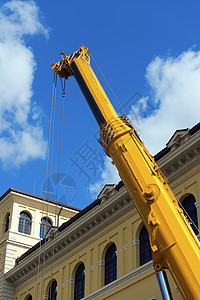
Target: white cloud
109,174
175,93
21,135
174,83
19,18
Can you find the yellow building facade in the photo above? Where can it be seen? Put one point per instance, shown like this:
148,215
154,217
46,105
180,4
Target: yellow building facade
102,251
21,216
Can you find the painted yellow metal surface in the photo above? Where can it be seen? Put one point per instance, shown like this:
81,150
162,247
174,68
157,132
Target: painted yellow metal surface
174,245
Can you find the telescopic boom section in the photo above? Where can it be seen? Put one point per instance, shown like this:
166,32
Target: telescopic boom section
77,64
173,243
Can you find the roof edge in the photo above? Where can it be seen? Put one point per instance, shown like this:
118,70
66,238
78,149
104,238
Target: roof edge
10,190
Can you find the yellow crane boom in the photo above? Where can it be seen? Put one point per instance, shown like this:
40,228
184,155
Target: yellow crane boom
173,243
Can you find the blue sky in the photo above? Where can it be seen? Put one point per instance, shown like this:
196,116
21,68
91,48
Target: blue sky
148,51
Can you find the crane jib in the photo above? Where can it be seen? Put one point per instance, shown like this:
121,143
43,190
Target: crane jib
87,94
173,243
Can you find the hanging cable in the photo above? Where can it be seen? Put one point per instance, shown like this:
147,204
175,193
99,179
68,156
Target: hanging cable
46,172
58,177
189,218
50,164
108,85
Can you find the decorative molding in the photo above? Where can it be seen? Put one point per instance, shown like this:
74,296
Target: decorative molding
17,243
175,175
136,242
101,263
92,268
37,238
125,247
71,281
185,179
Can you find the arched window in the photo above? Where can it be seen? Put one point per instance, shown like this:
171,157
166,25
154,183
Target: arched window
79,282
29,298
24,223
44,227
7,222
189,205
53,291
145,249
110,264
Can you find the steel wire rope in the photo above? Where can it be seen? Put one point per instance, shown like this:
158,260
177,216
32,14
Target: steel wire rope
109,86
46,171
187,214
58,177
61,130
50,164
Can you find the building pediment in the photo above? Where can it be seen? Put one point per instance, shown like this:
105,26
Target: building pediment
179,137
106,191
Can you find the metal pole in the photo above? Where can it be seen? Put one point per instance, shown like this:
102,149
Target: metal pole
163,285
